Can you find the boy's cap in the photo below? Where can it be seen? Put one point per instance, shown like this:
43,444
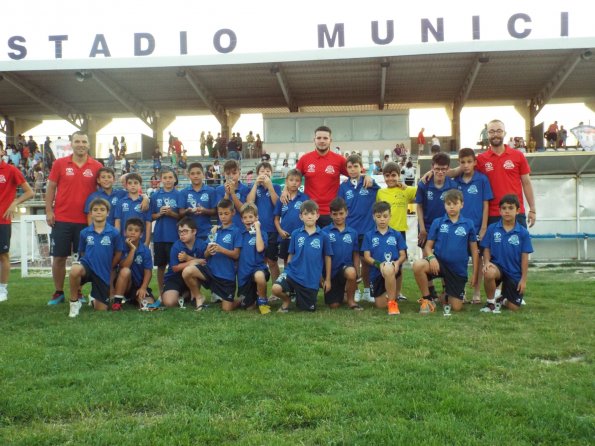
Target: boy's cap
376,160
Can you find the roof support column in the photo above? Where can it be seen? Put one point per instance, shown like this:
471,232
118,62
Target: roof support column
590,105
227,121
159,125
92,125
527,112
8,129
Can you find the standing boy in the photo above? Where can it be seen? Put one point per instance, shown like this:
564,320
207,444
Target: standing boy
507,246
130,206
345,258
10,179
385,251
100,248
233,189
106,177
309,252
265,195
446,255
198,200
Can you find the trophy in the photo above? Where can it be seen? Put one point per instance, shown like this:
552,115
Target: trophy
212,237
252,230
181,303
387,257
144,305
354,182
497,307
75,258
447,310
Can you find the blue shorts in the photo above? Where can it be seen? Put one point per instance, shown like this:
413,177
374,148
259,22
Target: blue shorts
225,289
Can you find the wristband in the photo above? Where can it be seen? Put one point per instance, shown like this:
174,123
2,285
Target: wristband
430,257
377,264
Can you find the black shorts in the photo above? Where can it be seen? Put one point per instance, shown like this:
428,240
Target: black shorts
225,289
378,287
248,292
509,288
454,284
284,248
175,283
161,253
360,241
65,238
272,250
305,298
338,281
99,289
5,232
130,295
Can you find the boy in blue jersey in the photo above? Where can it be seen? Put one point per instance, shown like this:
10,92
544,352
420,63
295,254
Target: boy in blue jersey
507,246
345,257
446,254
198,200
310,252
135,270
100,248
287,216
218,274
233,189
188,250
265,195
106,177
253,273
359,202
130,207
477,193
385,251
165,212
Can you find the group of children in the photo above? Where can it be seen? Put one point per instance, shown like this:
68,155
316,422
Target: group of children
258,224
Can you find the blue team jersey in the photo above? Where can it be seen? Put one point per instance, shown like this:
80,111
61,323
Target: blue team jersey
431,199
221,266
344,244
451,242
142,261
506,248
241,192
251,260
197,251
165,229
266,207
128,208
307,257
359,204
475,192
112,199
289,214
97,250
205,197
383,247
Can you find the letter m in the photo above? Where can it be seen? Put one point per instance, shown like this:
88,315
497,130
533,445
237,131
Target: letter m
324,35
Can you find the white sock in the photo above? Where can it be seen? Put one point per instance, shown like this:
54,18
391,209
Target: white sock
3,286
366,290
491,301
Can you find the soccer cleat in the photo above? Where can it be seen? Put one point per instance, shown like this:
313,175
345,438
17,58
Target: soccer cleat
366,296
401,297
393,307
426,306
117,307
215,299
263,306
154,305
75,307
357,296
3,294
491,308
57,298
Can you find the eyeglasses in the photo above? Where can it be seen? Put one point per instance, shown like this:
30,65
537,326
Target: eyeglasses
496,132
184,231
440,169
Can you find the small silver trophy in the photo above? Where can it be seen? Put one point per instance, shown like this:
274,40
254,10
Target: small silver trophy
387,257
447,309
252,230
212,237
144,305
75,258
354,182
497,307
181,303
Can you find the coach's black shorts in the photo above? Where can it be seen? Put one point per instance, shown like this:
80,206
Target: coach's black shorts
248,293
65,238
225,289
521,219
454,284
161,253
378,287
305,298
272,250
5,232
99,289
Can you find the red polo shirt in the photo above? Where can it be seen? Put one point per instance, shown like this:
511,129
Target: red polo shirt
74,185
321,173
504,173
10,179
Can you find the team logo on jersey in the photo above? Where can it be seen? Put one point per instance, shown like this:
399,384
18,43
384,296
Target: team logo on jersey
159,202
332,237
497,237
391,241
227,238
311,168
297,205
460,231
125,207
514,240
347,239
349,195
88,173
90,240
508,165
301,241
204,197
364,191
472,190
252,241
489,167
138,260
2,179
315,243
284,208
114,201
330,170
69,171
137,208
444,228
430,195
106,241
375,242
442,196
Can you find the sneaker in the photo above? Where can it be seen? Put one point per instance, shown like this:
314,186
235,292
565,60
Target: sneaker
75,307
357,296
401,297
154,305
523,302
426,306
116,307
3,294
490,308
57,298
82,298
215,299
263,305
367,297
393,307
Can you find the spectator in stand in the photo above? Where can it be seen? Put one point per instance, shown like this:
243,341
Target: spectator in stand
111,159
15,156
232,148
385,160
435,145
124,166
562,136
48,153
239,143
223,146
178,147
155,182
258,147
531,145
25,155
123,146
483,138
552,134
116,145
156,160
39,181
285,168
377,169
203,144
170,143
212,176
210,141
250,144
421,141
408,174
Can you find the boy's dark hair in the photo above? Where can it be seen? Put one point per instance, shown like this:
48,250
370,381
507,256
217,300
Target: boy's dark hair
293,173
99,202
323,128
106,169
225,203
354,159
168,170
134,176
391,167
264,164
510,199
337,204
441,159
465,152
230,165
187,221
308,206
195,165
249,208
409,164
380,207
453,195
135,222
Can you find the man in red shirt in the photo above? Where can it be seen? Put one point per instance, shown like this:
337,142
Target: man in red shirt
421,141
10,179
71,180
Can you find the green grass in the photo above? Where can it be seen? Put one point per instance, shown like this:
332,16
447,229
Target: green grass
341,377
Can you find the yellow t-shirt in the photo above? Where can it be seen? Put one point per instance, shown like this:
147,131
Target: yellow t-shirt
398,199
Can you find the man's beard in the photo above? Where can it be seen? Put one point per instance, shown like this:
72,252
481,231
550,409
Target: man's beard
496,142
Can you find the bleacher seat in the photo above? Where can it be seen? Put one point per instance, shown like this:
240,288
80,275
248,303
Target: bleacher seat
376,154
274,156
282,155
365,154
300,154
292,156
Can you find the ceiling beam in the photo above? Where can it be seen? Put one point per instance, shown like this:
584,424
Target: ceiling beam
124,97
467,85
52,103
3,123
203,93
282,80
384,69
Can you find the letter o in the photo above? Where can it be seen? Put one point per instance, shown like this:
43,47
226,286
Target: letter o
233,40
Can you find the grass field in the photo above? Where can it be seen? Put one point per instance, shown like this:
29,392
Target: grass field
179,377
